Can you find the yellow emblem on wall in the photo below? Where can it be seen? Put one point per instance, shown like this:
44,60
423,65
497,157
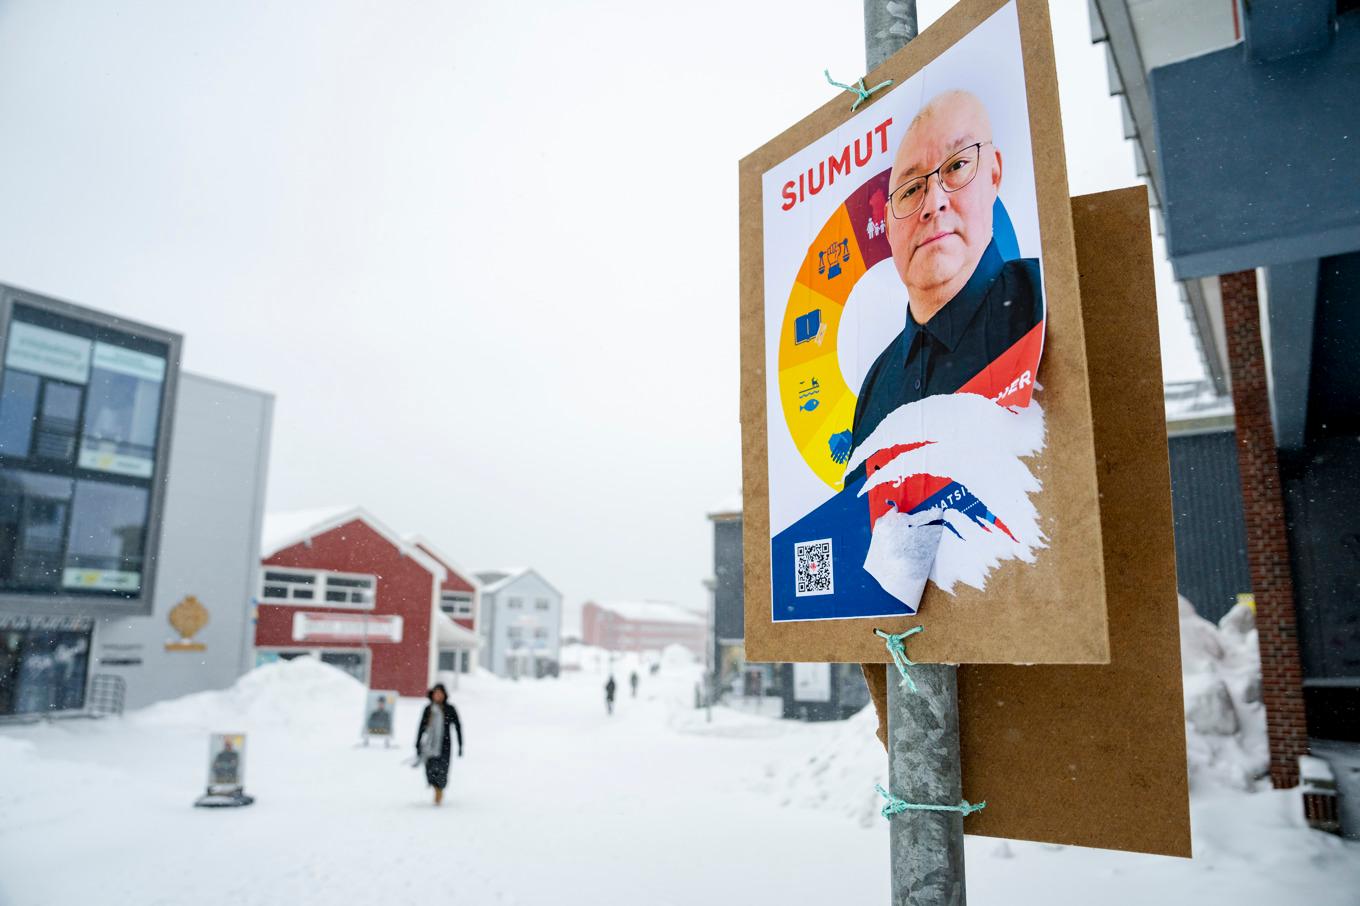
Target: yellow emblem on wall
187,617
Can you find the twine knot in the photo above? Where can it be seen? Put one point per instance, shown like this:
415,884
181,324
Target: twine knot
895,806
898,650
858,89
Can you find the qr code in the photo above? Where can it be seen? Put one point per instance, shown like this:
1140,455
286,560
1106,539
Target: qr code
812,568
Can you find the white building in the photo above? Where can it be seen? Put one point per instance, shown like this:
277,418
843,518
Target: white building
520,623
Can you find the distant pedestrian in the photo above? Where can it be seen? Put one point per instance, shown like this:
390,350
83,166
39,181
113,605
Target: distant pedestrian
633,681
609,689
433,743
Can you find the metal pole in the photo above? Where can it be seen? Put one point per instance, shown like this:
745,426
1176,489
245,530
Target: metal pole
888,26
923,726
923,767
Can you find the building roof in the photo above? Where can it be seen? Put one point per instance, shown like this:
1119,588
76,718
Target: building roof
457,571
493,580
651,612
283,530
730,506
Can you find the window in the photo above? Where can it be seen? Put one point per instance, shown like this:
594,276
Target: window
318,587
80,413
456,603
448,660
121,411
542,604
515,633
515,604
540,632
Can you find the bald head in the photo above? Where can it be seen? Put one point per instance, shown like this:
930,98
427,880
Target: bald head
937,246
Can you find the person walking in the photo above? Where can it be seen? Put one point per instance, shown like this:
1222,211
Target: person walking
609,689
433,740
633,681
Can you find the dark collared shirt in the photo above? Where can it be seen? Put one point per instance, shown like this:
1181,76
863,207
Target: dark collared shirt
999,304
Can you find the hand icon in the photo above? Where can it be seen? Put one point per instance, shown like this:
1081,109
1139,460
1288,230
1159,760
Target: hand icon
840,446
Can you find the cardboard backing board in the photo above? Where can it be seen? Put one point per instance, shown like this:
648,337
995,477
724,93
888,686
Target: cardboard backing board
1095,755
1051,611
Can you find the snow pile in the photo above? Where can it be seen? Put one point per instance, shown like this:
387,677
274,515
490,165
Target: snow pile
1225,719
840,773
1224,726
674,656
302,694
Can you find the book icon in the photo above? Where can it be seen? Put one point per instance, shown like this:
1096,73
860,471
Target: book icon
807,327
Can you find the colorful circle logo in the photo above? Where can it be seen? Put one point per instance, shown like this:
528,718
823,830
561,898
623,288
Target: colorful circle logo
819,407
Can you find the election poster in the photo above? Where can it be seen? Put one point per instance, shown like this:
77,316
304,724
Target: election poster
226,763
380,709
916,416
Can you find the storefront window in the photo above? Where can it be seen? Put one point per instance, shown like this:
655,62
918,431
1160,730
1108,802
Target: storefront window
43,669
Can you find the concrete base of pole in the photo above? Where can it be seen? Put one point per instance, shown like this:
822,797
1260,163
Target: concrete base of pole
923,742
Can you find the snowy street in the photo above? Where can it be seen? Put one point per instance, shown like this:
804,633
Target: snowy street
554,803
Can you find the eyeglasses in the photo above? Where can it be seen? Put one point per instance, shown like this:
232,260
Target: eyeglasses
955,173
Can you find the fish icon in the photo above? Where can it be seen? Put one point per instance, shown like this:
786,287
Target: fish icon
809,405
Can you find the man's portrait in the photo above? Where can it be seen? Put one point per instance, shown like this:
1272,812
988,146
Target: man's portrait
226,764
964,305
379,721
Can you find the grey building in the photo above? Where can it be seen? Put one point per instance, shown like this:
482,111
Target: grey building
214,507
803,691
198,634
520,623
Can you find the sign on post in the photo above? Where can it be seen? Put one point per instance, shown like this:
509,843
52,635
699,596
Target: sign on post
380,712
924,443
917,432
226,771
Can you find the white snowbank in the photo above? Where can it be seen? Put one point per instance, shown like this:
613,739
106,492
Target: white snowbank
1225,720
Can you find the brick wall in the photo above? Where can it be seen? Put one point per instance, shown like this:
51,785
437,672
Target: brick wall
1267,539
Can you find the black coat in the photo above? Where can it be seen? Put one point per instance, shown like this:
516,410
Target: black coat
437,768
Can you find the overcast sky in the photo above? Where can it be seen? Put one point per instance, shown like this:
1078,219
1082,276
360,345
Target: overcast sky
486,260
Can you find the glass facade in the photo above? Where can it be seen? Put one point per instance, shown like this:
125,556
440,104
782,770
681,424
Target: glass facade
80,415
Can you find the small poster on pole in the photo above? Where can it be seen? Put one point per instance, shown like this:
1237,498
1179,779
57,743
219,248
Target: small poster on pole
380,711
226,771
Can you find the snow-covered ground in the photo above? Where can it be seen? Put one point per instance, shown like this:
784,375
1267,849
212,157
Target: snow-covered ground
557,803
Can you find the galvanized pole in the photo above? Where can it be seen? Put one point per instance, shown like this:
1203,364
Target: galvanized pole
923,726
923,768
888,26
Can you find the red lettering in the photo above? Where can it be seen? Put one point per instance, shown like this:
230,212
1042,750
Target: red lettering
881,130
868,150
838,165
815,187
790,199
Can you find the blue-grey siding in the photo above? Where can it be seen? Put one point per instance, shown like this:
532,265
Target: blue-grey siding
1211,539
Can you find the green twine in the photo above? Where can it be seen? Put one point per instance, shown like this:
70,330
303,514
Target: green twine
899,652
896,806
857,89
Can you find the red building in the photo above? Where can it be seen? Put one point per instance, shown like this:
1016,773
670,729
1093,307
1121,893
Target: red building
459,599
340,585
642,626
